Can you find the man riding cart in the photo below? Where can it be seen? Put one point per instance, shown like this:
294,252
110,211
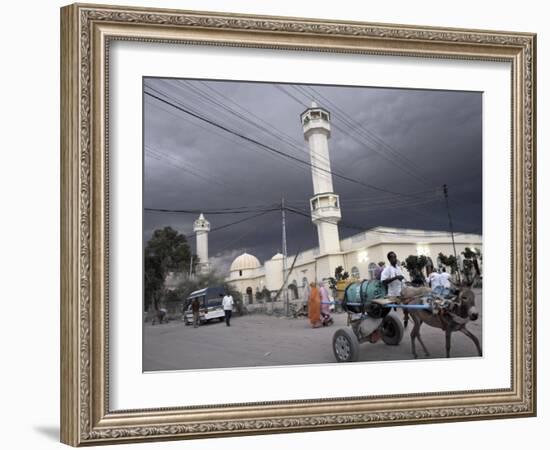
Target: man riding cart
369,312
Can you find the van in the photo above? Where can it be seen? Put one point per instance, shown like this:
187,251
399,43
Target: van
211,307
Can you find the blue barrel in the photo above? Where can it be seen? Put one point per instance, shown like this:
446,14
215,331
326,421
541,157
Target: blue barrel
360,293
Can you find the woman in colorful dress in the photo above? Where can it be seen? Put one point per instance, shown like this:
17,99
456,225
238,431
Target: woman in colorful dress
314,307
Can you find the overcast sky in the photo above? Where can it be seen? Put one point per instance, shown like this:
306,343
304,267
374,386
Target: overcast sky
398,145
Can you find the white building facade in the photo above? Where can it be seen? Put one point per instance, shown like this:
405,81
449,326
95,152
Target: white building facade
359,255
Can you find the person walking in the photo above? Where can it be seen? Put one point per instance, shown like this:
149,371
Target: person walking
325,304
227,303
378,271
305,298
195,307
314,306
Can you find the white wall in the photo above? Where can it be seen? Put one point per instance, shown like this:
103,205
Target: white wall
29,179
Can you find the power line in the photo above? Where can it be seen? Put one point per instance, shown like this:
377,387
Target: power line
282,89
378,199
267,128
268,124
227,225
271,149
276,133
209,130
362,131
174,161
343,224
188,110
363,229
210,212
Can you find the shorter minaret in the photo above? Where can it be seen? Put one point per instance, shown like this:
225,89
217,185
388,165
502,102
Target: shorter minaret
201,227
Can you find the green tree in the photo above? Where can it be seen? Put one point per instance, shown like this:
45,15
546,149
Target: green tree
339,275
472,256
414,265
263,296
467,266
449,261
167,251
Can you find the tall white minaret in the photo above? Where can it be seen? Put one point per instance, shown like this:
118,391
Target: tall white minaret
325,204
201,227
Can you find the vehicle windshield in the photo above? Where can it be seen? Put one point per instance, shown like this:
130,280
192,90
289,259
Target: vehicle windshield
211,299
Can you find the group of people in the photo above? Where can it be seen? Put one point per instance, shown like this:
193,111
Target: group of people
319,299
440,282
391,276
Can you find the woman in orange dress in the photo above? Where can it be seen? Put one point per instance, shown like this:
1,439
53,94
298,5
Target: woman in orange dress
314,306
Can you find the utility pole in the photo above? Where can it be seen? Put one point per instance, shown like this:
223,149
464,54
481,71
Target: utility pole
191,266
283,218
446,193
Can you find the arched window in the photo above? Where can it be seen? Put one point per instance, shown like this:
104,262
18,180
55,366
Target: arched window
304,282
355,272
372,271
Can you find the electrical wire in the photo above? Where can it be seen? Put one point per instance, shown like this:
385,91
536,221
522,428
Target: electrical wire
271,149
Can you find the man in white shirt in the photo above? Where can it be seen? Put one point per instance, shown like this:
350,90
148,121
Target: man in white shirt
445,279
392,276
435,280
227,303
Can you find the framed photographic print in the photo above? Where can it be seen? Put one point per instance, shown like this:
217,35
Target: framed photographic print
268,221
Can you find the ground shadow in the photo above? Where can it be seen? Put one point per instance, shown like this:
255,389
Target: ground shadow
50,432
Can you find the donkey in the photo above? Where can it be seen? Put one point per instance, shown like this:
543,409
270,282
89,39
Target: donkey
461,311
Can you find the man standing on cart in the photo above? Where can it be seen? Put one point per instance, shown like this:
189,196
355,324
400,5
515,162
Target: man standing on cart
392,276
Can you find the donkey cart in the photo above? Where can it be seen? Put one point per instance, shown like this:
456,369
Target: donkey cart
369,318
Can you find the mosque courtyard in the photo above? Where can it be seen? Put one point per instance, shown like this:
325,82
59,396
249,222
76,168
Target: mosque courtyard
262,340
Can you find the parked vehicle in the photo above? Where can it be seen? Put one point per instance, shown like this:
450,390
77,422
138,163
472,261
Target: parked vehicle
210,305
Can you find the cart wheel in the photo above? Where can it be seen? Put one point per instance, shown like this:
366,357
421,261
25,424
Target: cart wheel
392,330
345,345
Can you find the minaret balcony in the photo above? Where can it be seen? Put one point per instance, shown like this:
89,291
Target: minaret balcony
316,125
315,119
325,206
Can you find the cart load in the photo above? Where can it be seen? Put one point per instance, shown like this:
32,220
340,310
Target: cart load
359,296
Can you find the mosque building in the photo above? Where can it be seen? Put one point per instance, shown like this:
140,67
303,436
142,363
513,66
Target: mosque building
358,254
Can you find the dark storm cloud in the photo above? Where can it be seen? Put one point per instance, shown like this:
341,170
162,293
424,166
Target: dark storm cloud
407,142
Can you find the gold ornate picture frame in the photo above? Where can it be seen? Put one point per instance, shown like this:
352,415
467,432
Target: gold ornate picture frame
87,31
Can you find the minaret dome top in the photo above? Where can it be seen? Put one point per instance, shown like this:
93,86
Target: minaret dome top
201,224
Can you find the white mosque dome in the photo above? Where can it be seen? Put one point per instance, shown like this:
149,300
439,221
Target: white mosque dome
244,262
277,256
